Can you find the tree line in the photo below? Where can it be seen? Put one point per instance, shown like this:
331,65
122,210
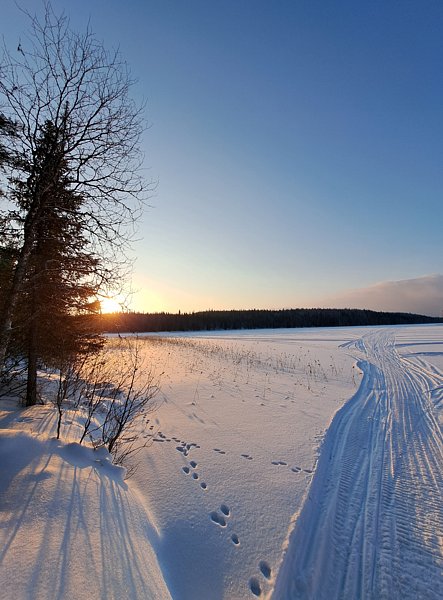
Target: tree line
211,320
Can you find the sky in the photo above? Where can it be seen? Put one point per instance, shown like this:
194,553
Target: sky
297,148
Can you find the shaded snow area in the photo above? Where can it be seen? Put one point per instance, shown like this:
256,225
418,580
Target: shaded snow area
280,463
69,525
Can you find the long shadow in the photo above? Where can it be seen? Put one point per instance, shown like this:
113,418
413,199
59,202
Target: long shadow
25,488
11,410
81,530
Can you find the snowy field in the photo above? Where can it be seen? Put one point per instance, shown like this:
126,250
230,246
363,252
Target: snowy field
281,463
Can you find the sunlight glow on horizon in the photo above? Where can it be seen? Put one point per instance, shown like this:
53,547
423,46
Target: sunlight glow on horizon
111,305
421,295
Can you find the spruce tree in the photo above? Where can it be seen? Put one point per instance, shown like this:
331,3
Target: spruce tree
58,284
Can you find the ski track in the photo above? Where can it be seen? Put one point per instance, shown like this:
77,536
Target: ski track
372,524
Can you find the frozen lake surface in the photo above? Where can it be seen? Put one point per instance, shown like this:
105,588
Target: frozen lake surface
281,463
239,433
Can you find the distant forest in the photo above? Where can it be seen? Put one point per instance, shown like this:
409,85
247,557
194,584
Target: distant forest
211,320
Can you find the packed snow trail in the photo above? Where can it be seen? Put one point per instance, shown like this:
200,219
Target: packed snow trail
372,524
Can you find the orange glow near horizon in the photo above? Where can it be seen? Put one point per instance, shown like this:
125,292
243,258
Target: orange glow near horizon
110,305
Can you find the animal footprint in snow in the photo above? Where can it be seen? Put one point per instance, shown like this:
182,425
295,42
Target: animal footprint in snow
279,462
308,471
185,447
195,475
296,469
219,451
218,519
247,456
203,485
265,569
254,586
235,540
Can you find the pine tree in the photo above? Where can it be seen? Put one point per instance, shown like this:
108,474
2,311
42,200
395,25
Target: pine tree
58,283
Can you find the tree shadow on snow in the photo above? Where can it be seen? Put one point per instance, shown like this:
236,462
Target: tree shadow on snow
67,514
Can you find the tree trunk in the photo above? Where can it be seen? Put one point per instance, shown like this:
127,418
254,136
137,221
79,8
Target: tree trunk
31,382
6,315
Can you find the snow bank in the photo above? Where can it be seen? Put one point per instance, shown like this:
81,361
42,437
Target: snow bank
69,526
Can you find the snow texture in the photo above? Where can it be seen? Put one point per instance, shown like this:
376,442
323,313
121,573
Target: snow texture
372,526
289,463
69,526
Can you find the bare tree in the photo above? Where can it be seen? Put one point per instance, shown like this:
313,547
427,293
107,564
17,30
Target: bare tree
69,385
118,391
69,80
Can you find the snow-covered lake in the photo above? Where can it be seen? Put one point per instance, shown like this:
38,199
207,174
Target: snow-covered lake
238,437
282,463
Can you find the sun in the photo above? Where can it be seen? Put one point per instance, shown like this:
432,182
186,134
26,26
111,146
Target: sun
110,305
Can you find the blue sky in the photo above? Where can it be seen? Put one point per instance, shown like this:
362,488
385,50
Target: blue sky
298,148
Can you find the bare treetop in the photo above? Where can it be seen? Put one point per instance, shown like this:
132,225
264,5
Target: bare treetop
71,80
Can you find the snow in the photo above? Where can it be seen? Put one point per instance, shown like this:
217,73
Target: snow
69,525
372,527
285,463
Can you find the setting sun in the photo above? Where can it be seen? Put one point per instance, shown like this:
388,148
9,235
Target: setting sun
110,305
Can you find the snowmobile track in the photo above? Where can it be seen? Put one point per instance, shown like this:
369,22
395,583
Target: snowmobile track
372,524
